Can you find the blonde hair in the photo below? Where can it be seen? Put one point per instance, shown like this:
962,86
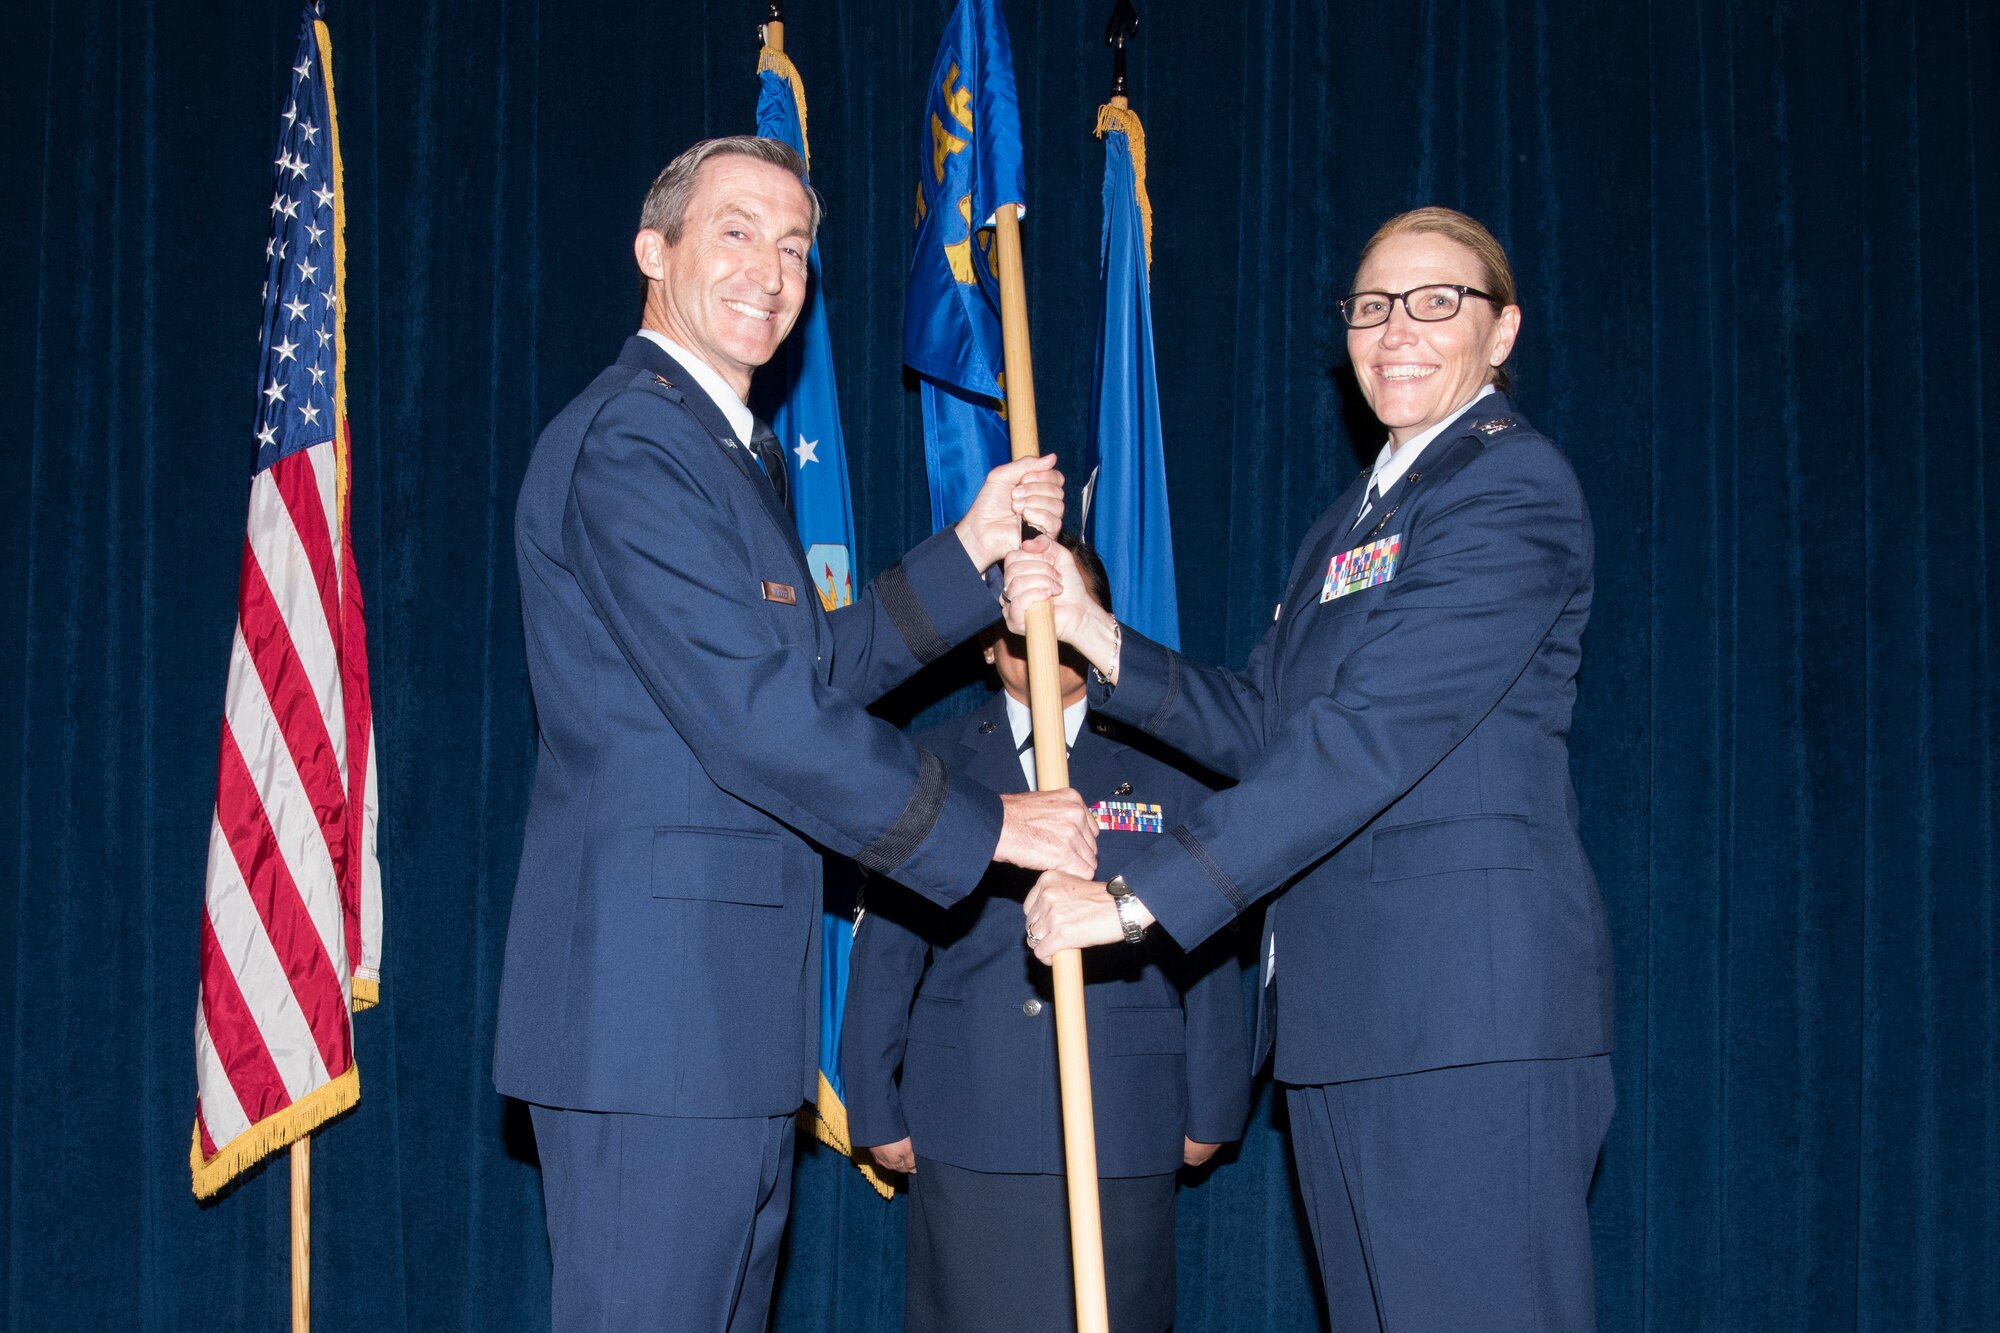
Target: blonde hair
1497,278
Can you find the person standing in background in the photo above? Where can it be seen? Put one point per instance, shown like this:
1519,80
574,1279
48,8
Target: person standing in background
953,999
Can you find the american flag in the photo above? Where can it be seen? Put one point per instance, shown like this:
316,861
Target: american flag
291,938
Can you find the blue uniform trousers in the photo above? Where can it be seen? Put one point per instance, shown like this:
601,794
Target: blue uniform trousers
1455,1199
664,1223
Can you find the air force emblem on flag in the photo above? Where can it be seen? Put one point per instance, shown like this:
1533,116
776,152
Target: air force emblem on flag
831,575
1362,567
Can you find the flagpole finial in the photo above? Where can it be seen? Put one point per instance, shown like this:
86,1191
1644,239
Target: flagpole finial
771,32
1122,28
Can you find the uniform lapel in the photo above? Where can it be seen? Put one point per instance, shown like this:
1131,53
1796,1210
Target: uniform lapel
645,354
1443,455
993,763
1094,763
1387,509
649,355
1321,543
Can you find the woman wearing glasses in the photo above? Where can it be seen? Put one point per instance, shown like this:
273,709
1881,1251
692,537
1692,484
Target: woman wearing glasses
1436,963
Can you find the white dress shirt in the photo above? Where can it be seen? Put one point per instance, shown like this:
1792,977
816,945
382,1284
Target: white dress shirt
1019,721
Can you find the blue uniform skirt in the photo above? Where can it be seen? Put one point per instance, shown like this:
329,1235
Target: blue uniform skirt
991,1252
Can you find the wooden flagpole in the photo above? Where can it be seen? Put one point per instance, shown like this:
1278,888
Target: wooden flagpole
302,1234
1086,1235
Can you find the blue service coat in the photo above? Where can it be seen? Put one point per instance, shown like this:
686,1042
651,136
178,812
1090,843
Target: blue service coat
700,725
1402,760
955,998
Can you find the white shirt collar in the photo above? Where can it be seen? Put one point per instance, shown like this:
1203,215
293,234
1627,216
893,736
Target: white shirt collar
734,410
1019,722
1394,461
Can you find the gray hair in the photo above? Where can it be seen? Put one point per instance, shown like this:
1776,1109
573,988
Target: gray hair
666,206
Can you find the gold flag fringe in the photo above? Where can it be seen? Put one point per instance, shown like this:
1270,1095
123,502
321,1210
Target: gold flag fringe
1126,122
777,62
339,272
830,1128
366,991
279,1130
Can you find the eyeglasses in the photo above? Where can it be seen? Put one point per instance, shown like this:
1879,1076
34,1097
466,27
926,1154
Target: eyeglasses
1439,301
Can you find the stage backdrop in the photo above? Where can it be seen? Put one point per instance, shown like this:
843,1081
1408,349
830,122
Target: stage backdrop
1759,247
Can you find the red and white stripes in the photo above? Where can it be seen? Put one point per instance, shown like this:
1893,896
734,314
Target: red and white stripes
292,928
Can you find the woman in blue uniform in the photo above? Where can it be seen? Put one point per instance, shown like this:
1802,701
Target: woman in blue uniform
1436,962
954,999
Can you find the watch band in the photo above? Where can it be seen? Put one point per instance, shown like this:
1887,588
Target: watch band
1121,900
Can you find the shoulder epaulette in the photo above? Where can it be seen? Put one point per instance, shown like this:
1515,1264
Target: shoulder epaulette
658,383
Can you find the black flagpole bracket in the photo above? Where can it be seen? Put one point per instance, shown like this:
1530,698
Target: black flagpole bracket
1122,28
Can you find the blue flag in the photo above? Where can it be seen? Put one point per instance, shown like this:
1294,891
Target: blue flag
1125,500
804,411
971,154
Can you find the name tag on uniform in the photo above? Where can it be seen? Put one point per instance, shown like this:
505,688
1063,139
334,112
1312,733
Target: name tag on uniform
1362,567
780,592
1128,817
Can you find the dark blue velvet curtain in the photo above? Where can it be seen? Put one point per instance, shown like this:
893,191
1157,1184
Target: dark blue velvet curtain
1758,250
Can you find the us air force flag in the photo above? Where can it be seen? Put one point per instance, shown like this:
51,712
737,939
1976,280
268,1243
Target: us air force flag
804,410
951,307
1125,501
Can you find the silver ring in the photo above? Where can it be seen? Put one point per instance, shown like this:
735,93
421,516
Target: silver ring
1033,939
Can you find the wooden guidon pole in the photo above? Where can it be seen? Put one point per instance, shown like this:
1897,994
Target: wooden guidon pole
302,1235
1086,1234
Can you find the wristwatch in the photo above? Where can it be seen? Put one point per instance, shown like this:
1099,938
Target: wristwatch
1122,899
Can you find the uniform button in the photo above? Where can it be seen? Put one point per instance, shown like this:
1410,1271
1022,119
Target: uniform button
1031,1007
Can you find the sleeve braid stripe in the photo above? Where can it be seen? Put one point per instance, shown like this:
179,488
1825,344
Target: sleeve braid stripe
919,817
907,615
1170,695
1199,853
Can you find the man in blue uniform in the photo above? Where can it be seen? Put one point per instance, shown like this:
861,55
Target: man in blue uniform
953,997
701,727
